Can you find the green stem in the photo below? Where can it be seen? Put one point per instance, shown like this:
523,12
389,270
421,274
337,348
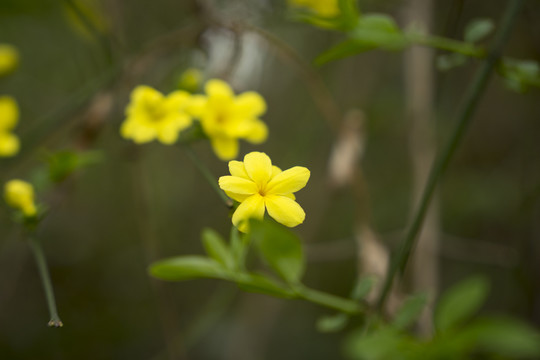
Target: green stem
41,263
449,45
210,178
472,99
331,301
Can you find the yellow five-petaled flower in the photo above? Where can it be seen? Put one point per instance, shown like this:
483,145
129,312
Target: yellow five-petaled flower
9,116
259,186
151,115
19,194
225,118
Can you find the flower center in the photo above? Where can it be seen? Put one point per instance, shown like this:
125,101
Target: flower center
155,112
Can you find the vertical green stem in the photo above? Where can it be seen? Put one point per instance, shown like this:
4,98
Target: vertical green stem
210,178
472,98
41,263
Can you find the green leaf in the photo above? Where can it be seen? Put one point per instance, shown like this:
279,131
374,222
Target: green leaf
447,62
332,323
261,284
64,163
280,248
217,249
382,344
460,302
520,74
410,311
188,267
342,50
363,287
238,247
478,29
378,30
507,337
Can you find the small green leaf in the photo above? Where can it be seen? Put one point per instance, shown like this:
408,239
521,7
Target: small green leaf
217,249
332,323
520,74
460,302
342,50
507,337
261,284
446,62
478,29
188,267
410,311
280,248
379,30
363,287
381,344
64,163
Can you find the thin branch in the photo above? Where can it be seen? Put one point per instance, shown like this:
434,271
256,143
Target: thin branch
443,159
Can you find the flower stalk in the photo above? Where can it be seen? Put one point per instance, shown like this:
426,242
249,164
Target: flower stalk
41,263
209,177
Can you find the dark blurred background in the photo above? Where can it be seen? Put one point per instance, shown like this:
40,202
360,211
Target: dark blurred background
78,62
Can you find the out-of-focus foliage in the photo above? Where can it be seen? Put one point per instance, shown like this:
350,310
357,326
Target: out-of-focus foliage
459,334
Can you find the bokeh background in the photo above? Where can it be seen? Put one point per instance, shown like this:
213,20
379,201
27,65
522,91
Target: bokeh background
78,62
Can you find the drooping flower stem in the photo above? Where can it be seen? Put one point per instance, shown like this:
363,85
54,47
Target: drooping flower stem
472,99
41,263
210,178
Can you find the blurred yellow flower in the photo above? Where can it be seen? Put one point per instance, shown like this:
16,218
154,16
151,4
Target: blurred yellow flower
259,186
9,116
151,115
326,8
225,118
9,58
19,194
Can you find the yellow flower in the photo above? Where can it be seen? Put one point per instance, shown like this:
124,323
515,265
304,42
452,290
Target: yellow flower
326,8
226,118
151,115
20,195
258,185
9,57
9,116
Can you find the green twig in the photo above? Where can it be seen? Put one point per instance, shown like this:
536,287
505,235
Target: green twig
443,43
331,301
472,98
210,178
41,263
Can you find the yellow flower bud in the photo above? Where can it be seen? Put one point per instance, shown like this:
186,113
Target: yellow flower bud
19,195
190,80
9,116
9,58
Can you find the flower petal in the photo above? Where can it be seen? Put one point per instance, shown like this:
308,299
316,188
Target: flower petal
288,181
284,210
236,168
219,88
9,113
237,197
259,167
258,132
275,170
224,147
249,105
252,207
9,144
238,185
